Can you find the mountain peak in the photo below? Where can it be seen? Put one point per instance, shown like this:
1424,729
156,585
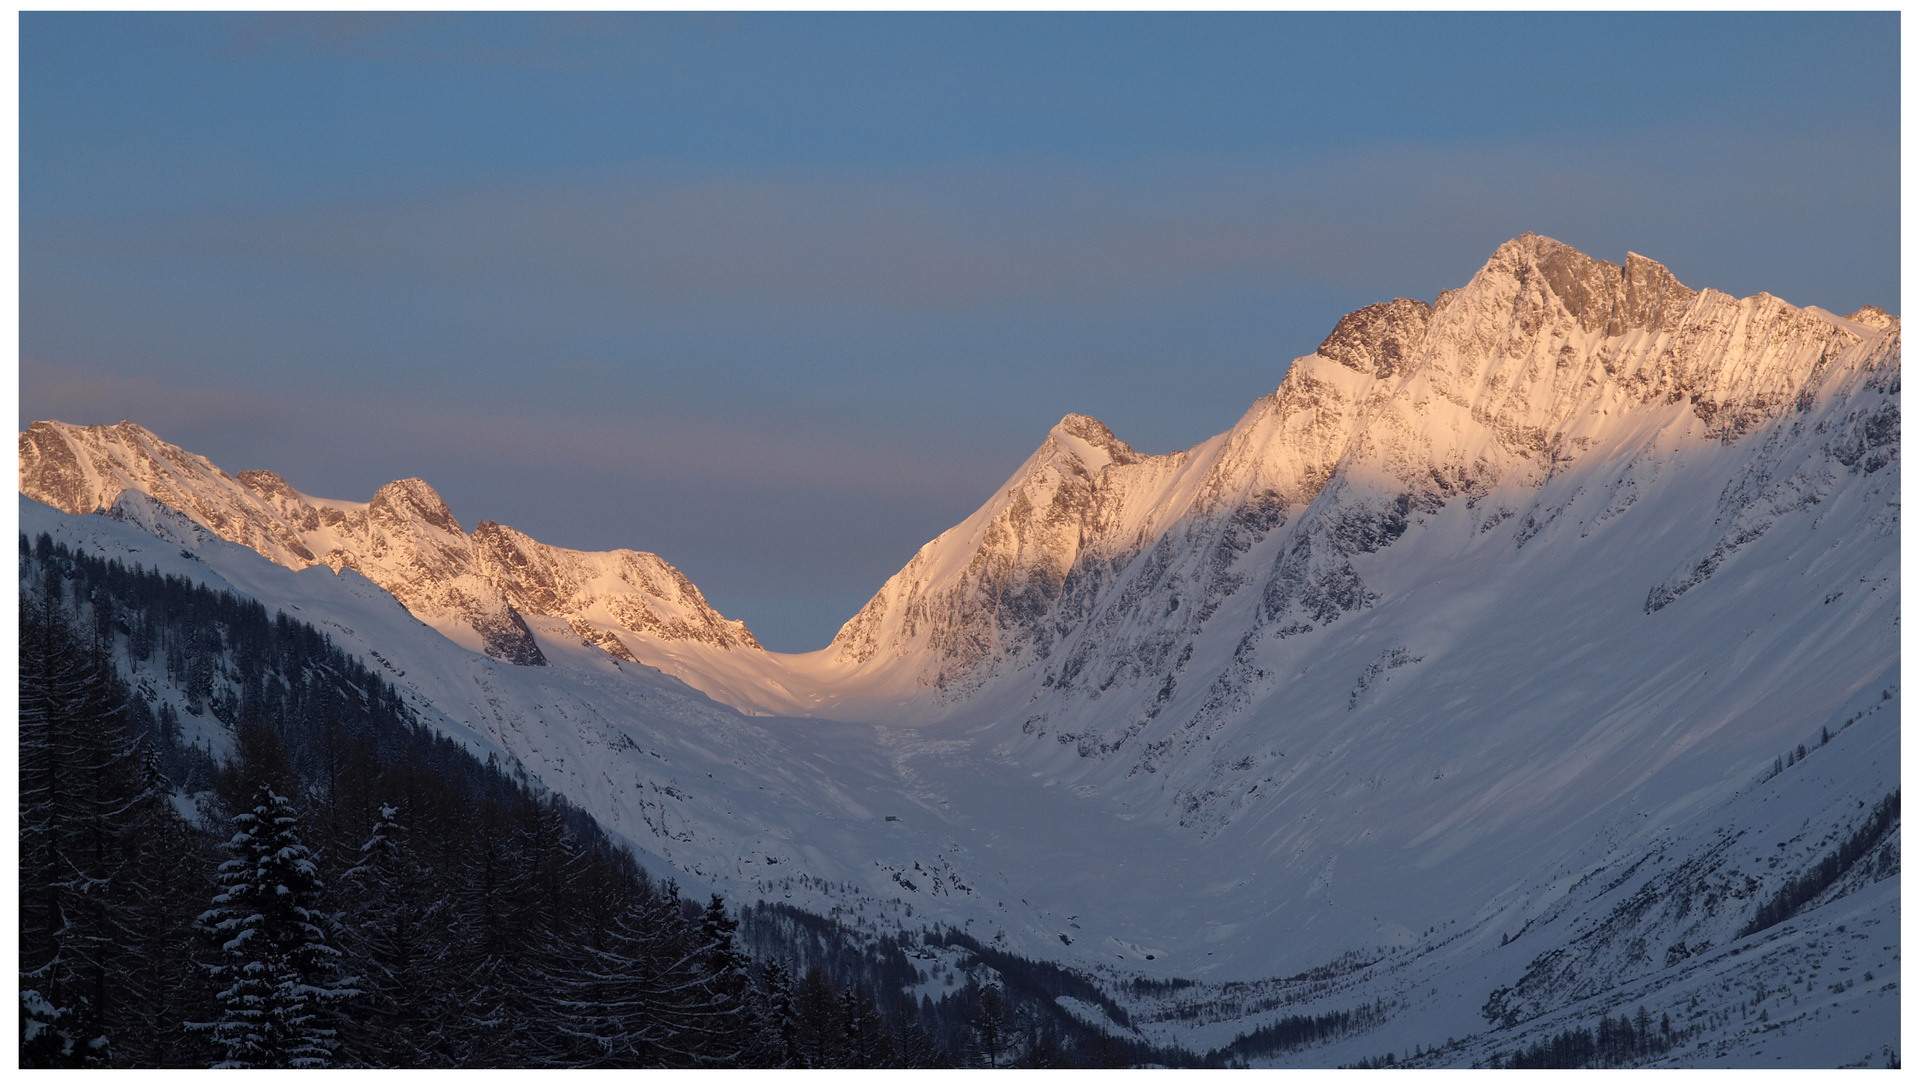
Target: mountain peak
1874,317
1584,285
1642,295
1090,442
264,482
413,498
81,468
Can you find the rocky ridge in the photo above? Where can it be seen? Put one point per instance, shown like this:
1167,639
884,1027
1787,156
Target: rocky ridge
1095,566
475,588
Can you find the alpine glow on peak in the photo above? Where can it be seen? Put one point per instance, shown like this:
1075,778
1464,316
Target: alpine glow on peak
1452,691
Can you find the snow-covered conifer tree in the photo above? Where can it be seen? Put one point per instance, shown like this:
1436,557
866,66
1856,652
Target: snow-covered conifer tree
726,987
779,1038
275,962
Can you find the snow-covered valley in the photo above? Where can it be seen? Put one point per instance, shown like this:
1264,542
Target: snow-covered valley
1449,683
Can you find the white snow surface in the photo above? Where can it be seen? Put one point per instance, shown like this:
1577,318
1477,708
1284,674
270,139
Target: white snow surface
1491,604
476,589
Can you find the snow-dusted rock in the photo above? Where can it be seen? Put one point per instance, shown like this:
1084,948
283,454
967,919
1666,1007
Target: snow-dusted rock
1095,566
473,588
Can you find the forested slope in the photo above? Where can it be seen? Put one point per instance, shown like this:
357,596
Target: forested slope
345,887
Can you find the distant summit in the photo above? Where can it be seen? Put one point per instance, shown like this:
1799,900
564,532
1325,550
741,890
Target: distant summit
1095,568
476,589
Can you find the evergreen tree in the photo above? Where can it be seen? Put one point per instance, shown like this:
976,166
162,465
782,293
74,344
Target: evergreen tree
87,804
993,1029
173,865
818,1022
522,903
726,987
914,1048
398,923
779,1038
483,1024
864,1033
645,996
274,960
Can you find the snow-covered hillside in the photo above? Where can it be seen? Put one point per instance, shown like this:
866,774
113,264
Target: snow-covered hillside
473,588
1452,677
1098,568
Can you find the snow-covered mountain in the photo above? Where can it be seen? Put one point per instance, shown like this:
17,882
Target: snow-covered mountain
474,588
1494,616
1098,566
1096,570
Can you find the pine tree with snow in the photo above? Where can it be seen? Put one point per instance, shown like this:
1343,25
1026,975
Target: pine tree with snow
643,996
726,987
777,1046
515,913
276,966
170,871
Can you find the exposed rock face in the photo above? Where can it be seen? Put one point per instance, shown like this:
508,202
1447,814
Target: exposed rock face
629,590
1096,569
80,476
1874,317
1379,339
1022,545
473,588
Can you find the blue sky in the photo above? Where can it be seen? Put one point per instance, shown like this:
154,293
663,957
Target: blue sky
781,296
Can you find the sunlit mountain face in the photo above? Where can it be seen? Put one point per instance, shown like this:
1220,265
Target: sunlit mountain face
1527,659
